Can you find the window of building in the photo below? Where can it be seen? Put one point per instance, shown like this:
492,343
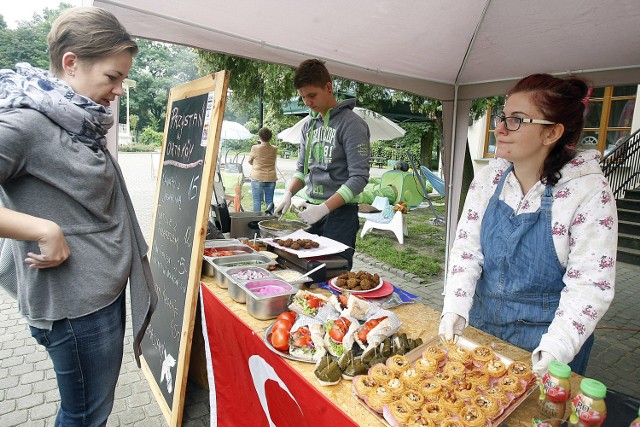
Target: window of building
608,117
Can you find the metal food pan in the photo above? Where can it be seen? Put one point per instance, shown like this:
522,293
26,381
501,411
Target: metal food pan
216,243
238,249
234,284
215,267
268,306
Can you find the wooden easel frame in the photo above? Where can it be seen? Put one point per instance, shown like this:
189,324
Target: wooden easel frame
216,83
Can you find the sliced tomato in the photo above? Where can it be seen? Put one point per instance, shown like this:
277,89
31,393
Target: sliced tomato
362,333
343,323
301,337
336,333
374,322
343,300
313,302
280,340
288,315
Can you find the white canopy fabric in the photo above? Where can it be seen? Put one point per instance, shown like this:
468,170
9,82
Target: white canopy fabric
454,51
234,130
380,127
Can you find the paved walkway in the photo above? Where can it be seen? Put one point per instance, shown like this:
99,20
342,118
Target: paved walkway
29,397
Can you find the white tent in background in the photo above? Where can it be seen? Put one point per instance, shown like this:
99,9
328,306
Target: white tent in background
234,130
380,127
451,51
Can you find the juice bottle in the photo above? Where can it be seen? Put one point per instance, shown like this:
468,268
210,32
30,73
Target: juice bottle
636,422
555,390
587,407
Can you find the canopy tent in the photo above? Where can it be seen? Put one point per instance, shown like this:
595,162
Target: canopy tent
451,51
380,127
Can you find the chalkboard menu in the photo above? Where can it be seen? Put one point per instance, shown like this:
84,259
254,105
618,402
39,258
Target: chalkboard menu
179,228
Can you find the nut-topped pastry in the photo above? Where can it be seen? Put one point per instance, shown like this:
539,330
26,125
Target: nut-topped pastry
426,365
398,364
396,387
434,351
479,379
455,369
496,368
450,401
430,389
520,370
512,386
434,411
381,373
497,394
364,385
413,398
481,355
400,411
452,422
460,354
419,420
472,416
379,397
490,407
411,378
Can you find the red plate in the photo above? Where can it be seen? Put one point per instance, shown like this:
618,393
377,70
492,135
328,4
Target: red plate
385,290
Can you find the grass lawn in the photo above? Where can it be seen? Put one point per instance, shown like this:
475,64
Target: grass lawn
422,252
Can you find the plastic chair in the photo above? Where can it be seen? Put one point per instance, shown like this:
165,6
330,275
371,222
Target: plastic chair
397,225
383,220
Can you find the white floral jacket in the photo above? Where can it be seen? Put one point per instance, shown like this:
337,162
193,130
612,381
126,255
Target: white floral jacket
585,235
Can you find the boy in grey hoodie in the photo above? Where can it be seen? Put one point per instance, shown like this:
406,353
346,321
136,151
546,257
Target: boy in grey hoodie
333,162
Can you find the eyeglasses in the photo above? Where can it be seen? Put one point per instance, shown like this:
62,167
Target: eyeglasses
514,123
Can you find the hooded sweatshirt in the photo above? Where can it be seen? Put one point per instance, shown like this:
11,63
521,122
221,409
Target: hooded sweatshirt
334,155
585,234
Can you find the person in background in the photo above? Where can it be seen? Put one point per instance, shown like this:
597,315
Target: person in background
333,160
263,175
533,262
67,214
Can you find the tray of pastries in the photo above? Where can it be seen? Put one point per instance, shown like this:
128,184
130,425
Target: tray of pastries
445,384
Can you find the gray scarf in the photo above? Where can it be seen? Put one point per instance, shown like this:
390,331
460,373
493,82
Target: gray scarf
30,87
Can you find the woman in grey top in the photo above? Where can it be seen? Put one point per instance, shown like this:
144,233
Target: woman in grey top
72,229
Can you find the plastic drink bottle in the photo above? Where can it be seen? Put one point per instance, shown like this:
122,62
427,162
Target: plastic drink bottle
587,407
555,390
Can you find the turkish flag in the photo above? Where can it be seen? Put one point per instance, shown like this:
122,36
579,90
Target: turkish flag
253,386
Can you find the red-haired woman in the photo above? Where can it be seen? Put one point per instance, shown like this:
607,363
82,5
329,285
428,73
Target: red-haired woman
533,262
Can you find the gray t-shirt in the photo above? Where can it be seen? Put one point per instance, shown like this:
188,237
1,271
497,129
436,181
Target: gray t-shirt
45,173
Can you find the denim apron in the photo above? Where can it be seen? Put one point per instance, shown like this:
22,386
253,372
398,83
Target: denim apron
519,289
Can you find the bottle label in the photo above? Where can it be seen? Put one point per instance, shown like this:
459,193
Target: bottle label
583,410
552,389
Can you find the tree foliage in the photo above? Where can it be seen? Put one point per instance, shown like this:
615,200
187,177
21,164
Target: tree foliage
156,69
28,41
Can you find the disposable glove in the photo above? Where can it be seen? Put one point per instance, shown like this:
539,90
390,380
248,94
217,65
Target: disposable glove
540,361
284,204
451,324
313,213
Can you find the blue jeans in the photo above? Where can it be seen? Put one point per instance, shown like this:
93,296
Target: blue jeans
87,355
262,191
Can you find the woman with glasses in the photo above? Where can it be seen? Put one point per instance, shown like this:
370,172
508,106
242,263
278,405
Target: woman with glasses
533,262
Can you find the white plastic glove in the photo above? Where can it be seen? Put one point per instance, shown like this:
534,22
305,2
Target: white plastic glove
284,204
313,213
540,361
451,324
